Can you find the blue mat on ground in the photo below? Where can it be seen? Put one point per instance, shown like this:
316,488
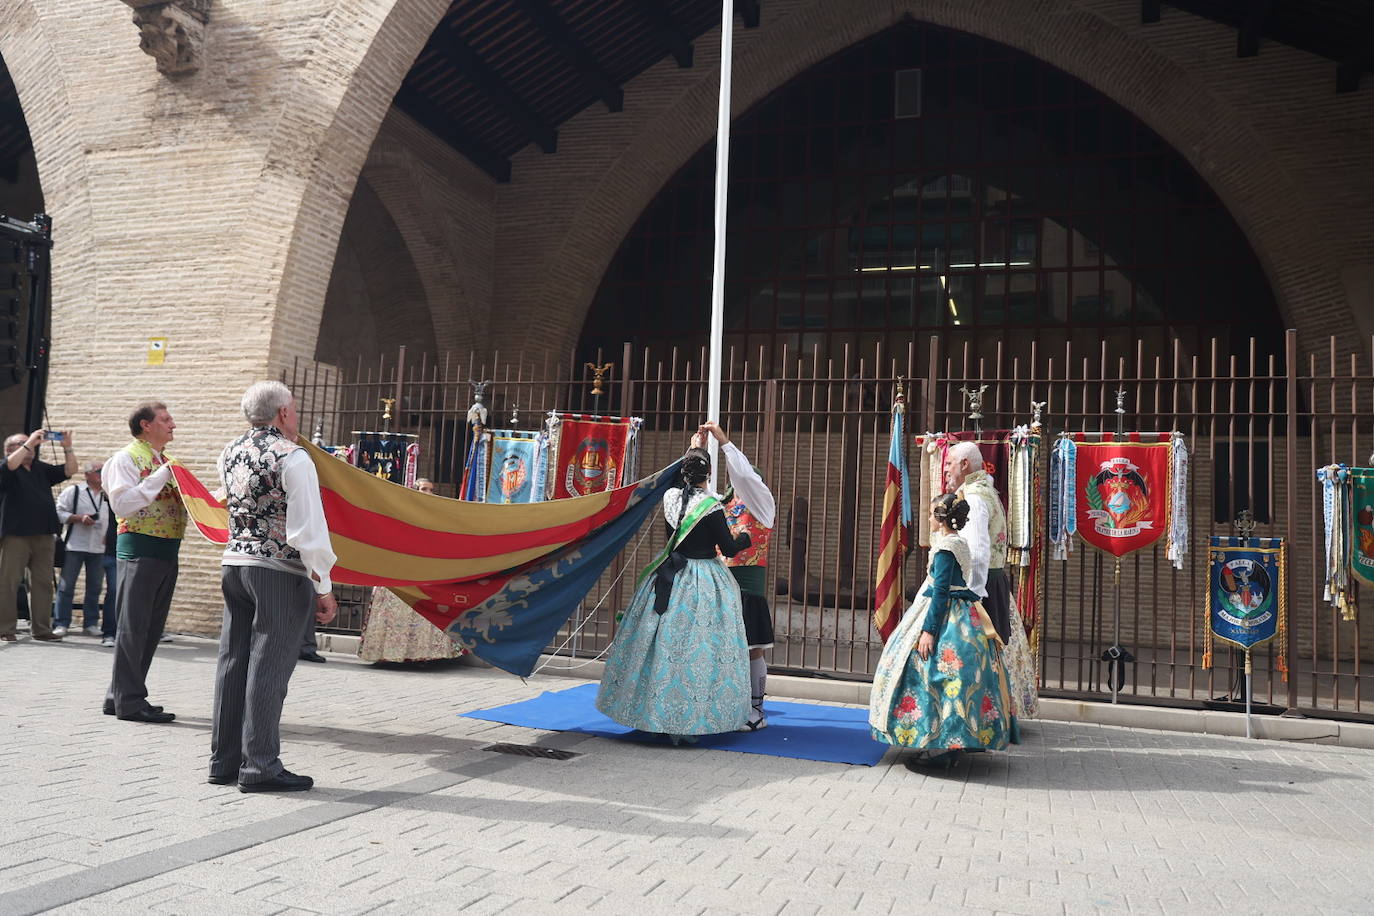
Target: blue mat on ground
834,734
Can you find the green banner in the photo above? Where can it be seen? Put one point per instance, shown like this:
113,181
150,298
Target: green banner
1362,523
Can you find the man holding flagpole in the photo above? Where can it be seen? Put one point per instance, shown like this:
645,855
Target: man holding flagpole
274,573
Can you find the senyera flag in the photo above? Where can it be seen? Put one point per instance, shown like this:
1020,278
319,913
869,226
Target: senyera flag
1123,491
888,594
470,568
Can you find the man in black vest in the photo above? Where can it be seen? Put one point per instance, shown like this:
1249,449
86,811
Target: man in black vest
275,570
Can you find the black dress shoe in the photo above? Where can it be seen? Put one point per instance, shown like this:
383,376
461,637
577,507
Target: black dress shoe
109,709
223,780
312,657
149,715
285,781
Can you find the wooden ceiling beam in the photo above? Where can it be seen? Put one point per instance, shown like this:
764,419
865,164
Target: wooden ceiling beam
477,71
748,10
556,32
666,31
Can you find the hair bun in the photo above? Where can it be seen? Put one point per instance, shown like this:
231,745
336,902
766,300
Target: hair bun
696,467
952,510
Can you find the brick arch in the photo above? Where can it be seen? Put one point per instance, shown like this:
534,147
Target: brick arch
405,189
377,300
34,59
1202,126
316,153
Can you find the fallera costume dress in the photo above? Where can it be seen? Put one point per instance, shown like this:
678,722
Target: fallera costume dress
957,699
392,632
679,664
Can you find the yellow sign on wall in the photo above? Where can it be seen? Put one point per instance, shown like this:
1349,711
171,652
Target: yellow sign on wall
157,351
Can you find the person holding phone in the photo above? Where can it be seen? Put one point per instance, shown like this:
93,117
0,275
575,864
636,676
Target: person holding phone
28,523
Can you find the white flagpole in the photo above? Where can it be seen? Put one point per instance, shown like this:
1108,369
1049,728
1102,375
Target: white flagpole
727,26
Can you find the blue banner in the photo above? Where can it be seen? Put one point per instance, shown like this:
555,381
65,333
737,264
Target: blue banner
517,463
1245,588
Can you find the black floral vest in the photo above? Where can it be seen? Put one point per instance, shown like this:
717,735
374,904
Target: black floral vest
256,495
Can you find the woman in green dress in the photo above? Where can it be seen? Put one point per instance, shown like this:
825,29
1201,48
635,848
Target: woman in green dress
940,687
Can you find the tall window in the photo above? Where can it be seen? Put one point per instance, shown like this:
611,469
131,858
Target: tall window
1006,201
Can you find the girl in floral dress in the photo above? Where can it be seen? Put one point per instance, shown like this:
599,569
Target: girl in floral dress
940,687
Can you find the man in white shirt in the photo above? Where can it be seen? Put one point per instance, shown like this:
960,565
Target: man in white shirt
85,510
985,533
151,523
275,571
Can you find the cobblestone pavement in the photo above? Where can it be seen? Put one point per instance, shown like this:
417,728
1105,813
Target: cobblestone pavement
411,815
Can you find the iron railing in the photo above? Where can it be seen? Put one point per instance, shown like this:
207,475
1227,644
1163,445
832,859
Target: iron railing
819,429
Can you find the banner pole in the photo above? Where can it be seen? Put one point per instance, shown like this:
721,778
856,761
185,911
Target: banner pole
1248,669
727,23
1119,665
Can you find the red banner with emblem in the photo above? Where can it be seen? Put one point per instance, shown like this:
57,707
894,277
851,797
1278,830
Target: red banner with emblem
592,454
1123,492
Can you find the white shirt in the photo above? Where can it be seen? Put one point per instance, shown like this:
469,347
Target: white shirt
979,541
128,494
750,488
306,529
79,500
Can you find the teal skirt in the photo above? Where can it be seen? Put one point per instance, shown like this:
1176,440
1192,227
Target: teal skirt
685,671
955,700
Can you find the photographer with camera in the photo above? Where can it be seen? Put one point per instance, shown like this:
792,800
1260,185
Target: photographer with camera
28,525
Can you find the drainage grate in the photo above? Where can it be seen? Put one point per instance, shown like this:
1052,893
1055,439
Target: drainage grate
532,750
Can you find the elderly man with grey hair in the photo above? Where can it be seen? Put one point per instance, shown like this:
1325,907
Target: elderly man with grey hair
985,533
274,572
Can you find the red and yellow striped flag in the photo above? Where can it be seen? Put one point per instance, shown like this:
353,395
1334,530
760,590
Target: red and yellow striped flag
888,594
384,534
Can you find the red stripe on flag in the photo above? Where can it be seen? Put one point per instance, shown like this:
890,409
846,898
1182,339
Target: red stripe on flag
374,529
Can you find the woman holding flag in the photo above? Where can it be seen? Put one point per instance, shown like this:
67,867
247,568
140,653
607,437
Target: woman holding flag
939,686
679,665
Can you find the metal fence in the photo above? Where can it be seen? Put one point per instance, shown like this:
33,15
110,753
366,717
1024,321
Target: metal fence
1257,428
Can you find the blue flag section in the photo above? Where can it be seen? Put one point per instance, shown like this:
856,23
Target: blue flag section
507,620
1245,589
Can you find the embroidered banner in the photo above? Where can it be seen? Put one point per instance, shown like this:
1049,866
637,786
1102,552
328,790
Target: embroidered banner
591,454
517,466
1247,582
1362,523
1122,491
384,455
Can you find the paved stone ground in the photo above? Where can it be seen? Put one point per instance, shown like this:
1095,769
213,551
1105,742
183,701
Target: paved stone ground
410,815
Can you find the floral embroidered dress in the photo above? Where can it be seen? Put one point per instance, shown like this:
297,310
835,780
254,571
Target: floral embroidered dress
957,699
680,664
392,632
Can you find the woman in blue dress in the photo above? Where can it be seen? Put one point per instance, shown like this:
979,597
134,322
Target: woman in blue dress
680,663
940,687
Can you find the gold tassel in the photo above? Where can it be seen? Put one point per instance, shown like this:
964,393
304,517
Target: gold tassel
1207,617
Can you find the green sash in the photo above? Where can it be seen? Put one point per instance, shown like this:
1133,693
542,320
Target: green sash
684,528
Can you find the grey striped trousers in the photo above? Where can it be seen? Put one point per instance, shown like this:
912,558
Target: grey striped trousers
265,612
